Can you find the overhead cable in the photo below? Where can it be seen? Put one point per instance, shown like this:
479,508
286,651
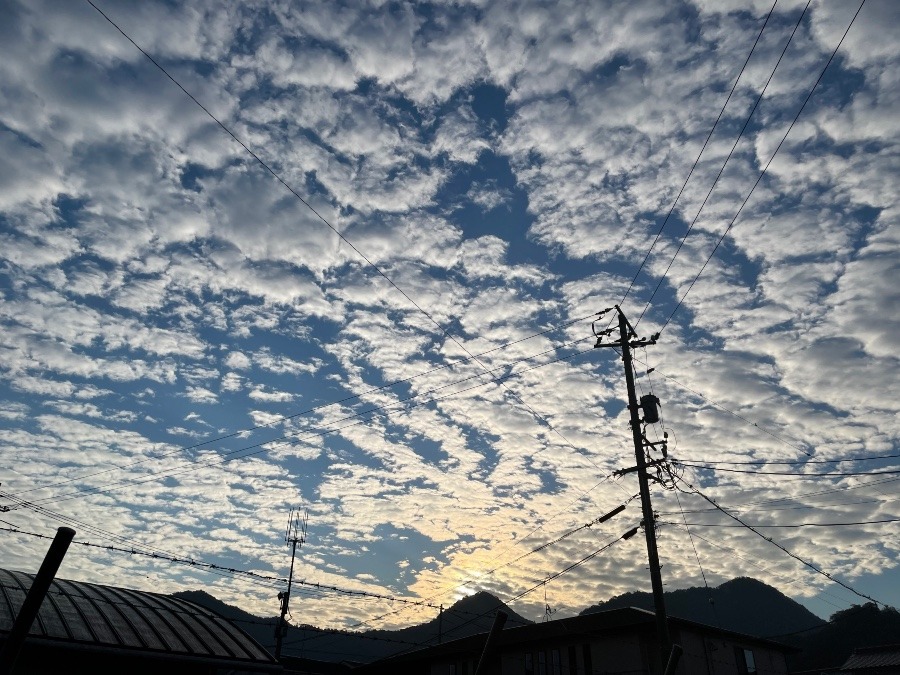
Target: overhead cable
791,474
699,155
265,446
810,565
755,462
495,569
765,168
767,570
307,411
725,163
343,237
795,525
777,437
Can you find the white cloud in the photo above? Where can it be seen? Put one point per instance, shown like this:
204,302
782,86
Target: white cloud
270,395
159,285
201,395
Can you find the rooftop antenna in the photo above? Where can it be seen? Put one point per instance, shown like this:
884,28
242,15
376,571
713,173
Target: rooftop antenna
294,536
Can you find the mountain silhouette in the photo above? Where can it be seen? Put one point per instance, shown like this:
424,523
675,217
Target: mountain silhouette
468,616
830,645
743,605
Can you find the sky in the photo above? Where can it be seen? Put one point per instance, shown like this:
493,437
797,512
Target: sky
377,305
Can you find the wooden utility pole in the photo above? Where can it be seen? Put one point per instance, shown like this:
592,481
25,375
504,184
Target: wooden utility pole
627,341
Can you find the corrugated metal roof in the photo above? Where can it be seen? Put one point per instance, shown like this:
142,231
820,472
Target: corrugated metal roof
93,614
873,657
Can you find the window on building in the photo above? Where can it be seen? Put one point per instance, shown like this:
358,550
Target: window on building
529,664
573,660
555,662
542,663
588,661
745,662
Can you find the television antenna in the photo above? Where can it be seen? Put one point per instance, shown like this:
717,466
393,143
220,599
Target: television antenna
294,536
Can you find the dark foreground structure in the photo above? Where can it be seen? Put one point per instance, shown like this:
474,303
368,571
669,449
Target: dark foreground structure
616,642
884,660
90,628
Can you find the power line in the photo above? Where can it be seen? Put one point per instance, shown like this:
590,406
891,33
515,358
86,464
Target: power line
700,154
778,508
795,525
296,194
264,446
810,565
767,570
627,535
196,563
285,418
766,167
93,529
754,462
697,556
731,412
566,535
791,474
725,163
192,562
817,493
491,571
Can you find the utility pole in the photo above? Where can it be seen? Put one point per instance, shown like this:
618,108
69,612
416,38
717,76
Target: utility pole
294,536
627,341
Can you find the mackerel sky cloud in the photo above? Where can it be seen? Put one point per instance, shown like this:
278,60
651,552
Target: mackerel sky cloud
189,350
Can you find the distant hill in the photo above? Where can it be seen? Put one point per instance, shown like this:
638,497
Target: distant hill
469,616
744,605
829,646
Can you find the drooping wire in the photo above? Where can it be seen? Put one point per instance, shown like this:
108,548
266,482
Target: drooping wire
699,155
343,237
768,570
766,167
813,567
459,584
709,596
198,563
798,525
627,535
256,576
265,446
708,400
753,462
725,163
307,411
791,474
817,493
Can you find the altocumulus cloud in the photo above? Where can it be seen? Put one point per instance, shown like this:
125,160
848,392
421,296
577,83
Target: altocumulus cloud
188,350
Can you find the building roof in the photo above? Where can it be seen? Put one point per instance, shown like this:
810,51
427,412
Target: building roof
873,657
107,618
610,621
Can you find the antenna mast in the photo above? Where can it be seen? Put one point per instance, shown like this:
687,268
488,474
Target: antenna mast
294,536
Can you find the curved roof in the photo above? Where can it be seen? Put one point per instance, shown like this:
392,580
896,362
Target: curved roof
118,618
